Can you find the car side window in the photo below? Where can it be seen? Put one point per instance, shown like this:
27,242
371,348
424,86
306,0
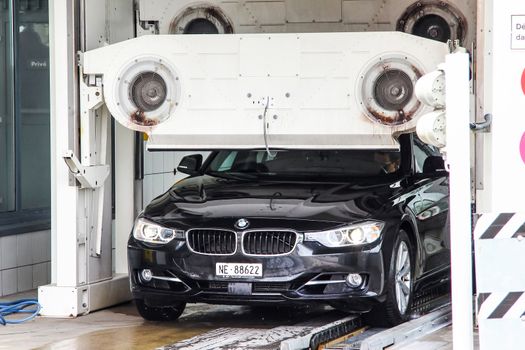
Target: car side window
422,152
228,162
263,156
420,157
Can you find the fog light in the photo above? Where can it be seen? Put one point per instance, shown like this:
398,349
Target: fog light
147,275
354,280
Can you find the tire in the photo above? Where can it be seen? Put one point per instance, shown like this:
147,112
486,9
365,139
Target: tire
399,287
149,313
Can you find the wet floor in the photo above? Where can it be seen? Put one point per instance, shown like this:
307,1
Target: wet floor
121,327
150,335
134,337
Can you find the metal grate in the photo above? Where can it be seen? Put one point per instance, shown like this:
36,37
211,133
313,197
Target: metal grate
269,242
212,242
214,285
267,287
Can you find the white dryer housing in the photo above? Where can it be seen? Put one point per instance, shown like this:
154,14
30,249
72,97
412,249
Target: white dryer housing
317,90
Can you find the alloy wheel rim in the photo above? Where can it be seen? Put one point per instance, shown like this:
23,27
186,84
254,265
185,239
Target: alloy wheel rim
403,282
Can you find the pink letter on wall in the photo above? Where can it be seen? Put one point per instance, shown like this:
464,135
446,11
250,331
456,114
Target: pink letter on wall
523,81
522,147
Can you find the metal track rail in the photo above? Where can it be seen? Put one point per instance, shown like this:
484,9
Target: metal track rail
394,338
327,333
320,335
312,331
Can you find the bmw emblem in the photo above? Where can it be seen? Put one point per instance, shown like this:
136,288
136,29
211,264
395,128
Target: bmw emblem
242,224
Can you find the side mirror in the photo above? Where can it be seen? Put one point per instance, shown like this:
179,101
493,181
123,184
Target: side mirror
190,164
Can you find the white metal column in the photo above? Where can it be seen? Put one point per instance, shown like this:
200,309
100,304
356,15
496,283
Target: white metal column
458,157
64,264
82,279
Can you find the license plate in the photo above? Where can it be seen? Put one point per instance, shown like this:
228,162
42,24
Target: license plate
238,270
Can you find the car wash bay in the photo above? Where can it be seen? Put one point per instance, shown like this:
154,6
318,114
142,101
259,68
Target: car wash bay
25,190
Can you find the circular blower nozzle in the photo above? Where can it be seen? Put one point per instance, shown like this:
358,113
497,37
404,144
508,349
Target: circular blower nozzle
433,19
148,91
393,89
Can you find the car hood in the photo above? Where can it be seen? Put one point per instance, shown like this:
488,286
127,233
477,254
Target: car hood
207,201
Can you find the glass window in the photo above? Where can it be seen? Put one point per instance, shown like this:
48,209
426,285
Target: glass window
306,163
421,152
33,112
25,174
228,162
7,167
420,156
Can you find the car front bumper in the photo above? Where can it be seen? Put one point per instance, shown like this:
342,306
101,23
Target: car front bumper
310,273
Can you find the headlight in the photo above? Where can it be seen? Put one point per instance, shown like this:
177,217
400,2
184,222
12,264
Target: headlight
365,232
150,232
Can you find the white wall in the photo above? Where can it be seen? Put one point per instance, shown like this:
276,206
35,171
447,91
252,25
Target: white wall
158,172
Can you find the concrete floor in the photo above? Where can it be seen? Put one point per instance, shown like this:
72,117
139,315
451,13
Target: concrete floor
120,327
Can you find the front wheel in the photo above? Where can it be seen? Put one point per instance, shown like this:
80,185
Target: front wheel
149,313
396,308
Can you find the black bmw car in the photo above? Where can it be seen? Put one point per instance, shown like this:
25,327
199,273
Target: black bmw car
360,230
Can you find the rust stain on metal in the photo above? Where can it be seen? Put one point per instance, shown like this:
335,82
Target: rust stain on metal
139,117
213,14
217,13
394,118
400,117
419,74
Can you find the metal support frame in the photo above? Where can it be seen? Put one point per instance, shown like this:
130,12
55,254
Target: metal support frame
82,279
88,176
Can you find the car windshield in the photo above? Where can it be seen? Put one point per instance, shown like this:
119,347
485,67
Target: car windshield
304,163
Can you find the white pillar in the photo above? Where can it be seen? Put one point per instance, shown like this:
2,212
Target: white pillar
458,156
63,190
81,282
